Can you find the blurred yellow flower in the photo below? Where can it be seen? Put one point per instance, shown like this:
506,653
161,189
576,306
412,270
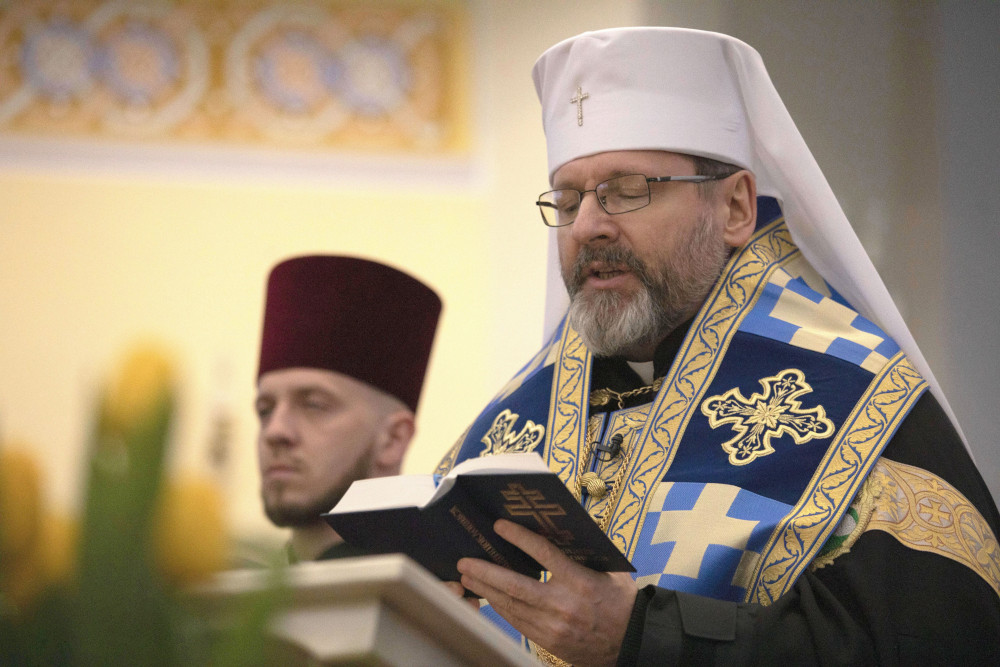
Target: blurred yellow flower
143,382
190,537
36,548
21,503
86,590
57,547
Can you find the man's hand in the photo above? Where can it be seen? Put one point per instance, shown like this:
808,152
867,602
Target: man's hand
458,591
578,615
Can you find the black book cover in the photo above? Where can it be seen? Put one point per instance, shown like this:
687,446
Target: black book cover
459,524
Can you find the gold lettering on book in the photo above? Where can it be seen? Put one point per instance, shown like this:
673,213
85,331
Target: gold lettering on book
531,502
478,537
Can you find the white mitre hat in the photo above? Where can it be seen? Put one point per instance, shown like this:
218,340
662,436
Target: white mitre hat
706,94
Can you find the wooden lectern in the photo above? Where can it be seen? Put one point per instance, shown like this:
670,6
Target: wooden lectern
378,610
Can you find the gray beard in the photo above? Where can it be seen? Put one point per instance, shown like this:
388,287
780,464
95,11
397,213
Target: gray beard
612,324
301,516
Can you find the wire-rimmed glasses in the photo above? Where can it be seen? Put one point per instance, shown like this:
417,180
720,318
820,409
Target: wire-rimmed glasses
621,194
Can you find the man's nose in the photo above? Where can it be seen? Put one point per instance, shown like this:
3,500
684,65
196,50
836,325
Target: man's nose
279,428
592,222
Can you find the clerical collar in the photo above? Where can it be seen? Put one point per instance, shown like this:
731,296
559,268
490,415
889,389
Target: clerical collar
644,369
613,376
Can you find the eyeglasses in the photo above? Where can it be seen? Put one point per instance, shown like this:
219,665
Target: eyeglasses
617,195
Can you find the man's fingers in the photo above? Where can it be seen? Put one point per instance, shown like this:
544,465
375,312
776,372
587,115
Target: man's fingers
456,589
510,607
548,555
499,578
497,583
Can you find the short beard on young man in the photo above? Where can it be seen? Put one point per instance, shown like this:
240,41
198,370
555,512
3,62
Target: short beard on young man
287,515
612,324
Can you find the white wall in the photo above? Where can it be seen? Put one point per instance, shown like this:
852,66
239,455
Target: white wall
968,78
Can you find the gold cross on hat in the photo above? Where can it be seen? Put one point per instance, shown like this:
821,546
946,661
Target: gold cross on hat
578,101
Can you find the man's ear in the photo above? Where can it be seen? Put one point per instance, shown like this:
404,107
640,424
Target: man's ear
740,197
394,439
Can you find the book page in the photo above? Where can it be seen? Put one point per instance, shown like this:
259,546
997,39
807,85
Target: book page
386,492
498,464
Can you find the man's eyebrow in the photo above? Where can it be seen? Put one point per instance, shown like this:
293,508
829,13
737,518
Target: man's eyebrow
311,389
615,173
302,390
620,172
263,400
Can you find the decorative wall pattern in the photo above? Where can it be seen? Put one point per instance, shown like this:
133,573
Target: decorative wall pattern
369,76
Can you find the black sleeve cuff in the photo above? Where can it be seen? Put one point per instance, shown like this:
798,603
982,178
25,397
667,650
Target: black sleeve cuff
629,653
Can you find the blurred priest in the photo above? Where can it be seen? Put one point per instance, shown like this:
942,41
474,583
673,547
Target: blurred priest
344,351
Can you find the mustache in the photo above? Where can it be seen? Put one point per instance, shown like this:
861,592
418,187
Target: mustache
291,463
614,255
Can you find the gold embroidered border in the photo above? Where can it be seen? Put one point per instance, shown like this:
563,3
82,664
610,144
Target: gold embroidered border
696,364
925,513
850,457
567,426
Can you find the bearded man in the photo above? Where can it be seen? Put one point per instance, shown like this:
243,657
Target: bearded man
344,351
731,394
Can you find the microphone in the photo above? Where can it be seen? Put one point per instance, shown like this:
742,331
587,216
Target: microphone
606,452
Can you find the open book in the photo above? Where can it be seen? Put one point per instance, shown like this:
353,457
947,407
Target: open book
437,524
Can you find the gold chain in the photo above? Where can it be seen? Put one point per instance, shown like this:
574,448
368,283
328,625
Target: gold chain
601,397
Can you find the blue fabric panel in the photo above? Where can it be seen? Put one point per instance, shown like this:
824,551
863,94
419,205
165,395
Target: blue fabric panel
888,348
719,562
758,321
682,497
761,321
848,351
782,475
800,287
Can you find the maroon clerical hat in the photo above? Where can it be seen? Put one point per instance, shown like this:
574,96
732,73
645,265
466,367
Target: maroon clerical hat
352,316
